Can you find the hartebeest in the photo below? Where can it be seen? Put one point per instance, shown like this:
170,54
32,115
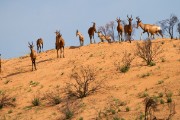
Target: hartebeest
81,38
59,43
91,31
128,28
104,37
33,55
119,28
149,28
39,44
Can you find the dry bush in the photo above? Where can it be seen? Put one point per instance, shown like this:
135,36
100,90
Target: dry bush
53,97
148,52
6,100
126,62
154,110
150,106
84,83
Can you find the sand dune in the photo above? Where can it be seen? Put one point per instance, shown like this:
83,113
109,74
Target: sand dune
52,72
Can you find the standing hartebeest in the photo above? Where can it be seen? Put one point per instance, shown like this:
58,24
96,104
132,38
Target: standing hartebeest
128,28
119,29
81,38
39,44
33,55
91,31
152,29
59,43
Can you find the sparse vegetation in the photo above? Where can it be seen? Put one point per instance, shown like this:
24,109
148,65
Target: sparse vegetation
33,83
6,100
126,62
145,75
85,82
148,52
160,81
36,101
53,97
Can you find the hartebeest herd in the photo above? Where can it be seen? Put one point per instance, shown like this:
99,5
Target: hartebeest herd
126,29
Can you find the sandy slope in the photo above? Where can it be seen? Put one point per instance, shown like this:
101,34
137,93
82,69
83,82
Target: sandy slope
53,72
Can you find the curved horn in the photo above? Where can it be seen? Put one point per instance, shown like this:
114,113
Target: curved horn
127,16
29,43
131,16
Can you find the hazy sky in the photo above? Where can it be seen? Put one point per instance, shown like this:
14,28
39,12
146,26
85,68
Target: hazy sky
27,20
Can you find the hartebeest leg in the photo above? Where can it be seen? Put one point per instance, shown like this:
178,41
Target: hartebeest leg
90,39
57,53
63,52
35,64
94,39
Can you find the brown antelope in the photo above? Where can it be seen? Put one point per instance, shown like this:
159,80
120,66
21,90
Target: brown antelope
128,28
91,31
81,38
149,28
0,63
119,28
59,44
39,44
33,55
103,37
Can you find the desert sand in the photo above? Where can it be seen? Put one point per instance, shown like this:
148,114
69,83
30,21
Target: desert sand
17,80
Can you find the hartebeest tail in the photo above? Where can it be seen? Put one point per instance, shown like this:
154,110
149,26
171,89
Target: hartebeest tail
60,43
128,28
39,44
33,55
91,32
119,29
149,28
81,38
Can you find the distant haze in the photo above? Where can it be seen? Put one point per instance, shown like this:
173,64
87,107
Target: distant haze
27,20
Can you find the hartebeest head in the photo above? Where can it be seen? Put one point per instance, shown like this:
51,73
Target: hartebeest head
58,33
118,20
31,46
130,19
138,21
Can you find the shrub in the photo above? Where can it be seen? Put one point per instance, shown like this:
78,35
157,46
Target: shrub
53,97
161,101
85,82
36,101
148,52
127,109
160,94
124,69
126,62
169,100
6,100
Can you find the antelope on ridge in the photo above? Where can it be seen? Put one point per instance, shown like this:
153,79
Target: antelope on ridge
81,38
128,28
149,28
59,44
33,55
119,29
91,32
39,44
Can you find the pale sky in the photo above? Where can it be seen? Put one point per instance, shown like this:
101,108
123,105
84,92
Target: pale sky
23,21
